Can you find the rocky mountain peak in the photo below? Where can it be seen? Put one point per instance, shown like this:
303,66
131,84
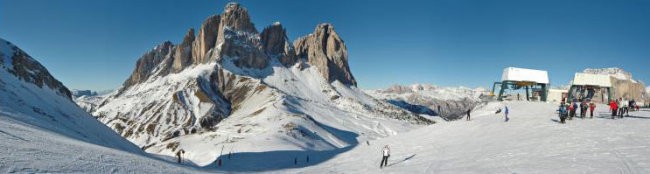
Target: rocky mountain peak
236,17
327,51
276,44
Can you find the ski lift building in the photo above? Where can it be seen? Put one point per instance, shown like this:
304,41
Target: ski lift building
535,81
592,87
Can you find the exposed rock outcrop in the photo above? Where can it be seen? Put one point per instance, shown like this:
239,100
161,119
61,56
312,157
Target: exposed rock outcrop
240,39
206,39
276,44
325,50
148,61
244,48
236,17
183,54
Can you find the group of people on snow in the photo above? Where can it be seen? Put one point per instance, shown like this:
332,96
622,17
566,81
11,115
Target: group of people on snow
621,107
569,110
618,108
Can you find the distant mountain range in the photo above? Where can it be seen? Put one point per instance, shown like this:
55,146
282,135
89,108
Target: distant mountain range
452,102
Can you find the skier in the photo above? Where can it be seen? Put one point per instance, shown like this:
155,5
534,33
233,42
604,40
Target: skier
468,111
178,154
575,109
592,106
621,108
613,107
583,109
572,111
506,112
562,113
385,155
626,108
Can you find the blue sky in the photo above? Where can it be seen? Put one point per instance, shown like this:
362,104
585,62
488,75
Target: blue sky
95,44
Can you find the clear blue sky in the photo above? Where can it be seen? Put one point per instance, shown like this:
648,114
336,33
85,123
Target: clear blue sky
95,44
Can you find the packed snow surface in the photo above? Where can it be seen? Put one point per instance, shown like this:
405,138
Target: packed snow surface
29,149
531,142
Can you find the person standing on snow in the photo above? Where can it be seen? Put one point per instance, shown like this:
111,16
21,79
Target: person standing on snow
575,108
572,111
562,113
506,112
468,111
179,154
385,155
613,107
626,108
621,108
583,109
592,106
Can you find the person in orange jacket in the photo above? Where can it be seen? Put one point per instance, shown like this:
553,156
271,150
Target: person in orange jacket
613,107
592,106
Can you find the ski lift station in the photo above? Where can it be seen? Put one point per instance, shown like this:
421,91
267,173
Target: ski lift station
591,87
535,83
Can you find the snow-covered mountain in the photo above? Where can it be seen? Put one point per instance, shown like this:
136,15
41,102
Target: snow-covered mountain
231,88
425,99
30,96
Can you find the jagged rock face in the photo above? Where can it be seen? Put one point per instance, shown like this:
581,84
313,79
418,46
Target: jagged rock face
237,18
239,39
325,50
27,69
206,40
148,61
245,48
183,54
276,44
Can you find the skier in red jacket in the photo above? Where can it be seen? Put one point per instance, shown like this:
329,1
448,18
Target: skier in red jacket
592,106
613,107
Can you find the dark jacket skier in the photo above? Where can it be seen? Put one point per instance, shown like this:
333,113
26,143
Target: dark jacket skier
562,113
178,154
